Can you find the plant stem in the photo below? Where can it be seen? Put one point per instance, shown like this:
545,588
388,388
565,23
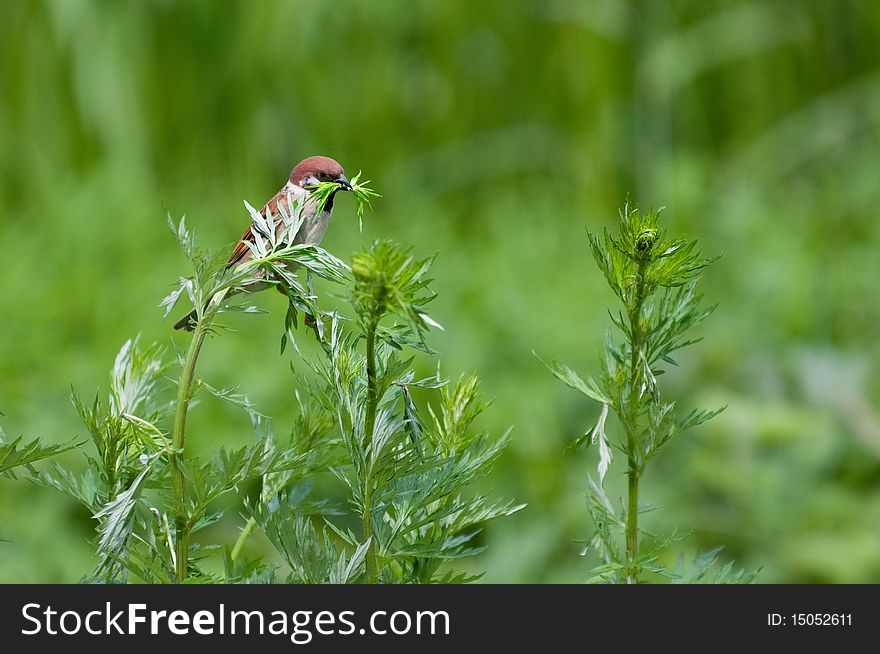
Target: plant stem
178,480
634,470
632,527
242,537
369,429
372,400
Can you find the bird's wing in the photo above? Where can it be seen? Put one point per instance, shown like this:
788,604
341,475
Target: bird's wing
242,252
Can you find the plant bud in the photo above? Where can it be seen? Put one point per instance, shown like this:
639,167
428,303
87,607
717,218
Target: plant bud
645,241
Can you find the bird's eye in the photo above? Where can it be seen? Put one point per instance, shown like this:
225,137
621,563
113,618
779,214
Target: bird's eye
324,177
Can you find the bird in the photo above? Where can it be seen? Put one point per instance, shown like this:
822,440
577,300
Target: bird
307,174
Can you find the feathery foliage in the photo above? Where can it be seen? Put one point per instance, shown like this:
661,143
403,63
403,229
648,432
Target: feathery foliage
17,453
406,476
363,195
654,277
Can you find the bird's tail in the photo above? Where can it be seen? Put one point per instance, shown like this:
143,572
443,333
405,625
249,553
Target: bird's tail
188,322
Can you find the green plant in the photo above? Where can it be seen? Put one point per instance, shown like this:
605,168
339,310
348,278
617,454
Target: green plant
406,476
654,277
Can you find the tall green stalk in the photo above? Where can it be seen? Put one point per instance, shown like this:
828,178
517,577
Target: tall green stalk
369,429
178,479
387,281
634,469
654,277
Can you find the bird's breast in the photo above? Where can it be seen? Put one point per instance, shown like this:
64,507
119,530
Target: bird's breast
313,229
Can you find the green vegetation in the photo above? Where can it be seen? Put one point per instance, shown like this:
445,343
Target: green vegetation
495,131
655,279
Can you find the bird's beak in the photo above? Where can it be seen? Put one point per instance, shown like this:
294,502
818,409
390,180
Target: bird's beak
342,180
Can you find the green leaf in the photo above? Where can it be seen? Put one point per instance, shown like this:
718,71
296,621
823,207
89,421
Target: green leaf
116,519
705,568
573,380
16,453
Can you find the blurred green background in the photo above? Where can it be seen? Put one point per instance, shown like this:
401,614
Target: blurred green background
496,132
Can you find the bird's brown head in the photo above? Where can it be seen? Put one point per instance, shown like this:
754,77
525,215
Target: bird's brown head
314,170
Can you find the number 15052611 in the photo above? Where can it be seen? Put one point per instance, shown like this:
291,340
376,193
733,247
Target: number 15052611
810,620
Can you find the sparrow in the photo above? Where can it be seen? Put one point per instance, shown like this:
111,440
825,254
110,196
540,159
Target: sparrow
305,175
